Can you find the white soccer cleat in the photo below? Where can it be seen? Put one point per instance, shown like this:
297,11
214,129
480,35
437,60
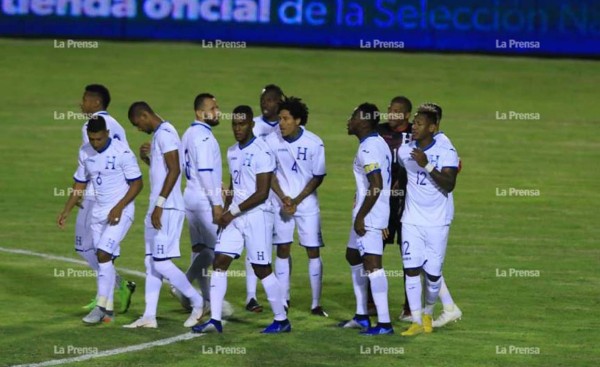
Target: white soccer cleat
142,322
195,317
183,300
227,310
451,313
97,316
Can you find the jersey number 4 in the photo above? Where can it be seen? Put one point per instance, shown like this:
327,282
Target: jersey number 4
295,167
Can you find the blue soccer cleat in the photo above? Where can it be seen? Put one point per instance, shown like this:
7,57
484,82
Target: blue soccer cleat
278,327
211,326
378,330
357,322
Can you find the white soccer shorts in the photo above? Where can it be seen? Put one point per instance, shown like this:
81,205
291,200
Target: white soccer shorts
108,238
309,229
83,234
371,243
202,230
253,230
424,246
163,244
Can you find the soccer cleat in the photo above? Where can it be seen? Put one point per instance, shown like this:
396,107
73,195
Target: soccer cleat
405,316
183,300
278,327
452,313
254,306
195,317
126,289
378,330
97,316
357,322
210,326
142,322
90,306
427,321
318,311
414,329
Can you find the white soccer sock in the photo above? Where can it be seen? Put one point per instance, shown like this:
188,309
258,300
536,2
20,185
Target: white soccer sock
431,295
106,278
359,281
201,262
91,258
315,272
445,296
251,281
274,292
282,272
178,280
153,284
414,291
379,288
218,288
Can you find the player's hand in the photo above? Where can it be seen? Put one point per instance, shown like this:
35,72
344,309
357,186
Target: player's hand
289,205
359,226
217,212
385,233
419,156
156,215
225,219
115,214
145,151
61,219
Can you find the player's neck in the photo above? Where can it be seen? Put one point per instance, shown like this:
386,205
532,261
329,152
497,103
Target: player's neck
400,126
425,142
245,142
362,135
293,136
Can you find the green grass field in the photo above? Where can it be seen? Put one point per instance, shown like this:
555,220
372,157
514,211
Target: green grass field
555,315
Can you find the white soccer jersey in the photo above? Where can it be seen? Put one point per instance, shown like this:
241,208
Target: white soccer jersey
245,162
262,128
201,154
298,161
164,140
116,132
109,171
373,156
442,138
426,203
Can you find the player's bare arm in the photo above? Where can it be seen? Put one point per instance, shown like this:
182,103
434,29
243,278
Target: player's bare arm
310,187
74,197
145,153
276,188
446,178
263,186
135,187
173,172
375,186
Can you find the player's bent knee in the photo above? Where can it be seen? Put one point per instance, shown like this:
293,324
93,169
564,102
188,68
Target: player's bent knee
103,257
313,252
283,251
262,271
433,278
353,257
221,262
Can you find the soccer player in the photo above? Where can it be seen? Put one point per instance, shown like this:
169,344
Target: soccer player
372,172
265,124
431,170
112,169
248,223
202,194
95,102
450,312
164,220
396,131
300,157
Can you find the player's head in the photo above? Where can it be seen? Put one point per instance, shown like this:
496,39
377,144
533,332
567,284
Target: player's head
207,109
424,125
292,113
364,119
95,98
142,116
270,97
97,132
242,123
430,106
399,110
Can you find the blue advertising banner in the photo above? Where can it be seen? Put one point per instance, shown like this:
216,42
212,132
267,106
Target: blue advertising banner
531,27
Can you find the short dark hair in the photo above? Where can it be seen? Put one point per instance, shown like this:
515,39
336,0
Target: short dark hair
96,124
368,112
137,108
430,115
199,100
430,106
244,112
296,107
274,89
101,91
403,101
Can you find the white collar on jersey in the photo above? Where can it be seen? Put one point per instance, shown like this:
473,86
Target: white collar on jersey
201,123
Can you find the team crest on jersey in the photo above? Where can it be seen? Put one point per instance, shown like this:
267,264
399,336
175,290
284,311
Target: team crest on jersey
110,162
248,159
433,159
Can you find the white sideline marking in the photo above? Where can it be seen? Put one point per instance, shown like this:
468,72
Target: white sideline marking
113,352
66,259
106,353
